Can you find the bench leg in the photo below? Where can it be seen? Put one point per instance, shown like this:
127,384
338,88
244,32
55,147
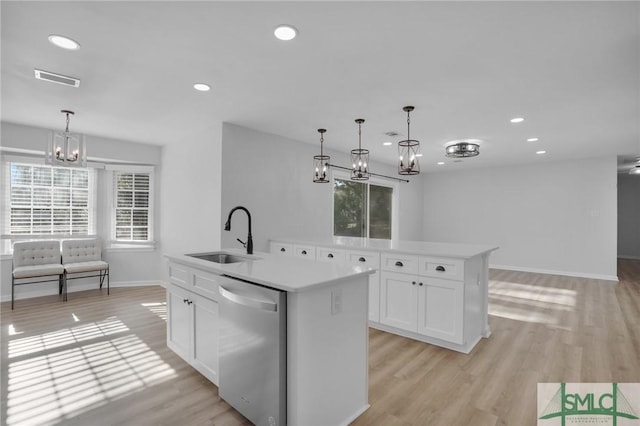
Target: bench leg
64,286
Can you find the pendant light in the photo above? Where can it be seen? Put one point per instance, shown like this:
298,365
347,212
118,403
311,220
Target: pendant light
321,162
66,148
360,157
408,150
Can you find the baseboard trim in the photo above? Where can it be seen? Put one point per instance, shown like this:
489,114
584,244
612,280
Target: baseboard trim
48,289
553,272
628,257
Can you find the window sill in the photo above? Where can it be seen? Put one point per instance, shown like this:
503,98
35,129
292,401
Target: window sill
124,247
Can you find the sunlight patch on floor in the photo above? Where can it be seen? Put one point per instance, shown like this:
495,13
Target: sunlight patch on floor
158,308
530,303
84,332
45,389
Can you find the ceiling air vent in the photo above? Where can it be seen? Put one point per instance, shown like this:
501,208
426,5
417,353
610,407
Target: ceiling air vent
57,78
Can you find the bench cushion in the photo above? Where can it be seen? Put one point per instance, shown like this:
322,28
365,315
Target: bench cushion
38,270
27,253
76,251
94,265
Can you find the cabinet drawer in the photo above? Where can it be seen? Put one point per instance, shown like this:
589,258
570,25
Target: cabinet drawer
404,263
306,252
364,258
281,249
441,267
328,254
179,275
206,284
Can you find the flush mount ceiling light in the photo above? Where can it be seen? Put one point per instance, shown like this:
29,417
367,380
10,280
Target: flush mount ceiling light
285,32
64,42
517,120
321,162
541,152
387,143
533,140
440,163
66,148
202,87
463,149
360,157
408,150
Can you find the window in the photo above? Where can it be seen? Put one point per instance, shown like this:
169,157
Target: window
51,200
362,209
132,207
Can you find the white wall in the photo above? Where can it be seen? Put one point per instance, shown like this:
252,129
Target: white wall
629,216
551,217
191,191
272,177
126,267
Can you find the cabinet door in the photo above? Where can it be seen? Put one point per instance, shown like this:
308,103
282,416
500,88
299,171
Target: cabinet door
205,337
179,321
440,309
304,251
398,300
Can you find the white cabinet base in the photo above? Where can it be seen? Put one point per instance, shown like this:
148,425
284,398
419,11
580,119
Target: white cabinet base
466,347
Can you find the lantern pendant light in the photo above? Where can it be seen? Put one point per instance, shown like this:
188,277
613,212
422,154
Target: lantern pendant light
408,150
360,157
321,162
66,148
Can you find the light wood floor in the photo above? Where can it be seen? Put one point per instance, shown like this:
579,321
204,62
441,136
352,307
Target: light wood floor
99,360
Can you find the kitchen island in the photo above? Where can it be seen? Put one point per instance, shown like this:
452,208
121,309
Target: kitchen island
437,293
326,328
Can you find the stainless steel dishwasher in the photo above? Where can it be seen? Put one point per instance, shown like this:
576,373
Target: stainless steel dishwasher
252,351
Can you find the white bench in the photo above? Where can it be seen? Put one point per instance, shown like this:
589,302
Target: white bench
81,257
34,260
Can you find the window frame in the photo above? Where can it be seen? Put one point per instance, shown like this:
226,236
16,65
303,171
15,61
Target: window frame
92,205
343,175
113,172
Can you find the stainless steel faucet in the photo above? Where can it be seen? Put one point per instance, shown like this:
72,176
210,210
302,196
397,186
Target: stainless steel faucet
227,227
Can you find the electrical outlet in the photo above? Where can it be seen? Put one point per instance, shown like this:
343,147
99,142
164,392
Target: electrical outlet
336,301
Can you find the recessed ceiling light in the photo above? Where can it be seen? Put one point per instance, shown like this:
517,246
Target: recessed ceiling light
387,143
418,155
202,87
285,32
64,42
517,120
541,152
440,163
532,140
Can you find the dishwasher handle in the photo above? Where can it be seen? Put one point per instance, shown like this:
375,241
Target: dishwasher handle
248,301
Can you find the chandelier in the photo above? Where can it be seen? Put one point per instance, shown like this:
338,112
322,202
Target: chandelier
321,162
408,150
66,148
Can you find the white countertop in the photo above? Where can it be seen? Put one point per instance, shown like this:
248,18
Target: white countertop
454,250
283,273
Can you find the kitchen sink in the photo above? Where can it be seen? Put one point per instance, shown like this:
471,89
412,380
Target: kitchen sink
219,257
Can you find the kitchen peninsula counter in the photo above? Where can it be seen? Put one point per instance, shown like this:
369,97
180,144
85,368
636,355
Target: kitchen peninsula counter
326,328
434,292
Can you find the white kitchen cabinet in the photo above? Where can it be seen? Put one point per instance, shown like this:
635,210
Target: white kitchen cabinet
192,318
441,309
369,260
429,306
399,300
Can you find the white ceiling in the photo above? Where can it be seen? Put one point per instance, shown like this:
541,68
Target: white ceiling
572,69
